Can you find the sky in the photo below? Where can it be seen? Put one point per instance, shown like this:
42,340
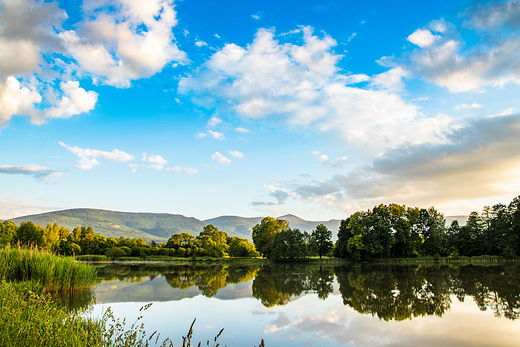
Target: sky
253,108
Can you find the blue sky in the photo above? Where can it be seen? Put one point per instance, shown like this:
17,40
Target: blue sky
256,108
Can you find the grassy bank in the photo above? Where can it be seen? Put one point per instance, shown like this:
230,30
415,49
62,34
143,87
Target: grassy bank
45,271
30,317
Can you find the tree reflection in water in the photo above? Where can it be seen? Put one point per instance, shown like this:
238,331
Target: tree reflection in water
396,292
390,292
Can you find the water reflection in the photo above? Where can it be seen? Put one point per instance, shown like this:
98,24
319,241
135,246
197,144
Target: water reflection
277,284
389,292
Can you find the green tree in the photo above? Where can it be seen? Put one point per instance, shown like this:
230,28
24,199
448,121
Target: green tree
514,213
322,239
29,235
264,233
289,245
7,233
212,241
183,240
239,247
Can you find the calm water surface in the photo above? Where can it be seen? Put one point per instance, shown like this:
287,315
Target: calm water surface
312,305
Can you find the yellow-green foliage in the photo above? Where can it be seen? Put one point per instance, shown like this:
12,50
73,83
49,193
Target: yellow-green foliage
50,272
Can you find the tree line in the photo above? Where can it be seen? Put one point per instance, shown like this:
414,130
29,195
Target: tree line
84,241
385,231
397,231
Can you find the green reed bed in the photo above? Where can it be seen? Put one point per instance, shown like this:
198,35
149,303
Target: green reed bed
47,271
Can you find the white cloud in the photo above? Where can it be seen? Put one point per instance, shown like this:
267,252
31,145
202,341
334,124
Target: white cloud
473,106
75,100
482,154
302,85
447,60
18,100
157,161
257,15
15,207
506,112
117,42
200,43
183,170
421,98
324,159
422,38
217,135
214,121
88,156
201,135
110,45
15,99
38,172
315,152
242,130
220,159
236,154
391,79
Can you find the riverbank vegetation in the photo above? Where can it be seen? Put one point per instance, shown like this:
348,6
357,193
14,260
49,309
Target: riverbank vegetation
30,315
384,232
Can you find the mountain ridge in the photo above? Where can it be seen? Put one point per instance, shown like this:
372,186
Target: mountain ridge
158,226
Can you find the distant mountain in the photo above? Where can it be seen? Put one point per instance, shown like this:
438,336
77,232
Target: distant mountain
244,226
233,224
159,226
148,226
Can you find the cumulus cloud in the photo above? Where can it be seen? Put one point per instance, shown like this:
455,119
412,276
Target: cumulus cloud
16,99
442,57
38,172
200,43
220,159
281,195
88,156
28,28
111,45
236,154
302,85
157,161
479,160
117,41
217,135
214,121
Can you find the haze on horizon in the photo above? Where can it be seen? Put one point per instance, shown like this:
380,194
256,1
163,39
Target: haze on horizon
311,108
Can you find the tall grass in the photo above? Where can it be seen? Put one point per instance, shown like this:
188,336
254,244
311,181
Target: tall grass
31,319
46,271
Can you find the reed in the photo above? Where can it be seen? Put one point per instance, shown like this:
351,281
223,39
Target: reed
49,272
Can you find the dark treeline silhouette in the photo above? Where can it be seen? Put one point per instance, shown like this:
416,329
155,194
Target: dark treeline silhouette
397,231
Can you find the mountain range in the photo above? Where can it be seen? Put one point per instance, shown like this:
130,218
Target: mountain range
159,226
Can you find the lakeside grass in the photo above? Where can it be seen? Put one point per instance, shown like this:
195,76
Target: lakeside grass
46,271
30,317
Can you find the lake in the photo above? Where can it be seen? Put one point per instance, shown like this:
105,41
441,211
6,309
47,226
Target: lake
313,305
